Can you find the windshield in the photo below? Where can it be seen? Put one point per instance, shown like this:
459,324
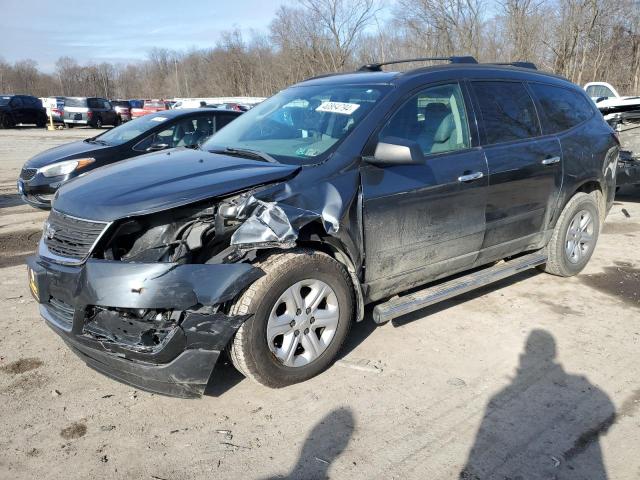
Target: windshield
300,124
130,130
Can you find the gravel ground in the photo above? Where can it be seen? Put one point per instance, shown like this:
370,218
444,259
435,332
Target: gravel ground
536,377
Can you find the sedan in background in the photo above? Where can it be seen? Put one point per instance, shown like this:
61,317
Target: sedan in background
43,174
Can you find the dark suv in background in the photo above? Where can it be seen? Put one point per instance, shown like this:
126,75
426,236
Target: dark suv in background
267,241
91,111
21,109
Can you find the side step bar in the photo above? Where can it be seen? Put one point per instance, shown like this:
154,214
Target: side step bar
398,306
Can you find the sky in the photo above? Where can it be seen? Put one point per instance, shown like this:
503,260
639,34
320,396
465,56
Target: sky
121,30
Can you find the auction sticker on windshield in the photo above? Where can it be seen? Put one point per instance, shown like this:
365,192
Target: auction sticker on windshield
158,119
338,107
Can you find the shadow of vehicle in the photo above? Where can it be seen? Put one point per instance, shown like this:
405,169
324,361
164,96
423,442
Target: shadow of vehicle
325,443
10,200
545,424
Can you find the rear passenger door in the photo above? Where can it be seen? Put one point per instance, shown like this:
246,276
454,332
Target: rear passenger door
525,169
425,221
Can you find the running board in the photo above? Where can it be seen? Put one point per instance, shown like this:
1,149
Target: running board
398,306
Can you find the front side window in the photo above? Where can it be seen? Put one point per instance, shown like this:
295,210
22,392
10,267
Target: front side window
16,102
300,125
435,118
562,108
507,110
187,132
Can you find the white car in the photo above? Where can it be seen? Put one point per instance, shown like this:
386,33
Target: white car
614,107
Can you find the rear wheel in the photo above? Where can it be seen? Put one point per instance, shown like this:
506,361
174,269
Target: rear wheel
301,310
574,237
6,121
118,121
99,123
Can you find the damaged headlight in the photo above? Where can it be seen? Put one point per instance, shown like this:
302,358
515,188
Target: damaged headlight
177,236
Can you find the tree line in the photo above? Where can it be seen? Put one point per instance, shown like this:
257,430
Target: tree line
583,40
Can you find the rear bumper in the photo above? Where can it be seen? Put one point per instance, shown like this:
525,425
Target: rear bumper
181,363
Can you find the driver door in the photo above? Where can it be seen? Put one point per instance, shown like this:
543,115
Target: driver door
422,222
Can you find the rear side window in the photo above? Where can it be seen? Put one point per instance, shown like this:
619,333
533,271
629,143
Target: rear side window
508,112
562,108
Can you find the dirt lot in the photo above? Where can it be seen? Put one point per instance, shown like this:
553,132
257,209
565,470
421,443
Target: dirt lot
536,377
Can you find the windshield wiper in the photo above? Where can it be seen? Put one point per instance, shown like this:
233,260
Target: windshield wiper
245,152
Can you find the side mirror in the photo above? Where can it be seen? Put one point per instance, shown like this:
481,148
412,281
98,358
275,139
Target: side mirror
397,151
157,146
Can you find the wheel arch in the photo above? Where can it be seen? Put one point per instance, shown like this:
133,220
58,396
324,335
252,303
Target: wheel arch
313,235
593,187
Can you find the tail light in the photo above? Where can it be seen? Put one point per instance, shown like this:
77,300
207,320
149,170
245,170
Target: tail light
89,114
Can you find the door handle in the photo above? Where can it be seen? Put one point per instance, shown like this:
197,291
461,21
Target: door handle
470,177
551,160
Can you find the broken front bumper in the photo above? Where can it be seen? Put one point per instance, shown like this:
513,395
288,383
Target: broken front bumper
181,363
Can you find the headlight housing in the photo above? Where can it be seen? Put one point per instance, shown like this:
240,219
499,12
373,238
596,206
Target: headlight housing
66,167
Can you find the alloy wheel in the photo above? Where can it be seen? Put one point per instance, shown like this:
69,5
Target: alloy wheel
580,235
303,323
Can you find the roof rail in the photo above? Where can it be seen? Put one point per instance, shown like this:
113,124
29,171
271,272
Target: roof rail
377,67
530,65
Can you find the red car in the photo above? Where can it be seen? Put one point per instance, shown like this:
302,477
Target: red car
149,106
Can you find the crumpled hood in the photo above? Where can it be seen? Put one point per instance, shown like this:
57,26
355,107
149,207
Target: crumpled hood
162,180
63,152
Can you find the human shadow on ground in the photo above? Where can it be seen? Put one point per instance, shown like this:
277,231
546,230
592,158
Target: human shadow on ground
328,439
546,424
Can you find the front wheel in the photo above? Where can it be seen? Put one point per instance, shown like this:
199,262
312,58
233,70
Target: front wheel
574,237
301,311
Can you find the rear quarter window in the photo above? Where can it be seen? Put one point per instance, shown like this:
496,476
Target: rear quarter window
561,108
507,110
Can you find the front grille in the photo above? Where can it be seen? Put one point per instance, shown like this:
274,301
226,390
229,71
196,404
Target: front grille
61,312
71,237
27,174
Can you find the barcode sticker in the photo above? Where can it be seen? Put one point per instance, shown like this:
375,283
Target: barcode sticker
338,107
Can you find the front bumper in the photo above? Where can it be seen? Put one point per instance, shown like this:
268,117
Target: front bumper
39,190
182,363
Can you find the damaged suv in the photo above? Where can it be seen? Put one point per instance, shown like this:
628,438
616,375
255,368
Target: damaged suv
267,242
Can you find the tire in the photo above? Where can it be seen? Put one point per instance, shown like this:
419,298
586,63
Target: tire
567,253
118,121
260,359
6,121
69,125
98,123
